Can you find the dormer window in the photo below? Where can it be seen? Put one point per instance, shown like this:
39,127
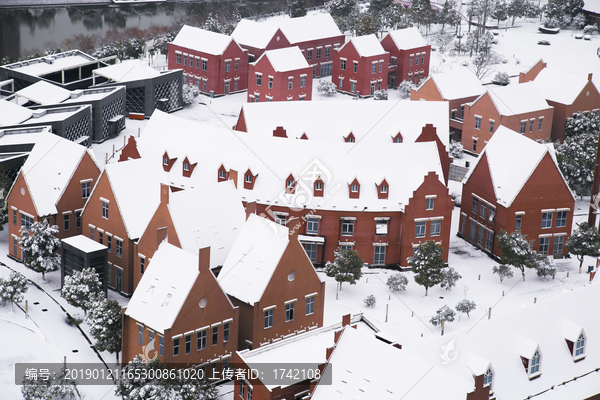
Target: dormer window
165,160
487,377
186,166
534,365
579,346
248,178
383,189
397,138
221,174
168,162
354,188
319,186
350,138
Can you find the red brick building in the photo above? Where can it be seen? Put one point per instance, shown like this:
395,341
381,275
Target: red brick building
179,313
409,56
256,38
280,75
360,66
458,87
521,108
54,183
516,185
212,61
568,93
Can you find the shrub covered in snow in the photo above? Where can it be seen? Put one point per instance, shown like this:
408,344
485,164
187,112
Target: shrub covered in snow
589,29
57,387
449,278
370,300
501,78
397,282
582,123
503,271
576,158
546,269
327,87
517,251
584,241
578,22
346,267
189,94
404,89
82,288
427,264
456,149
104,319
465,307
12,288
39,246
381,95
445,313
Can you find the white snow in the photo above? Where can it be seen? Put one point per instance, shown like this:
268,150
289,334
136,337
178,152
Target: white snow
457,83
366,46
164,287
286,59
592,6
44,93
84,243
130,70
66,60
13,114
517,99
254,34
202,40
307,28
561,87
406,39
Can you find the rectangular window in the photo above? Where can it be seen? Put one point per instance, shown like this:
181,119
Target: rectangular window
383,189
373,68
309,55
492,214
475,207
175,347
518,223
104,209
474,148
280,219
544,242
140,334
346,246
15,245
473,231
380,66
241,389
66,221
178,58
289,312
14,217
477,122
429,203
489,240
188,344
119,248
480,236
86,188
540,124
435,228
237,64
100,237
312,226
290,83
235,85
197,63
185,59
558,244
343,65
417,59
523,126
215,335
161,345
347,227
226,332
302,81
77,219
310,305
546,220
354,188
311,251
318,53
352,86
327,51
201,340
93,233
248,178
142,265
204,85
258,80
410,62
270,84
381,228
379,256
483,210
249,393
319,186
355,68
227,66
491,126
204,65
109,243
531,125
463,221
420,229
561,219
453,114
422,58
268,318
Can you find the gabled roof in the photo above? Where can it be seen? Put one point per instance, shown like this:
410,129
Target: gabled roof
164,287
212,215
130,70
457,83
13,114
254,34
44,93
406,39
309,27
592,6
253,259
202,40
512,158
366,46
286,59
517,99
561,87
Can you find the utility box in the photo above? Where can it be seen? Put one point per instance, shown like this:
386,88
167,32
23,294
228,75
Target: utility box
80,252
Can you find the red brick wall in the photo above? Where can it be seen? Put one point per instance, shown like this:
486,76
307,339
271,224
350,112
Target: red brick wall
323,43
403,67
280,90
583,102
364,75
22,202
532,73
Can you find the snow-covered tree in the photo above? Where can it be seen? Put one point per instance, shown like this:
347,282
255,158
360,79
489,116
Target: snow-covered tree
5,184
465,307
574,7
381,95
582,123
445,313
55,388
501,78
12,288
327,87
189,94
104,319
449,278
500,11
82,289
578,21
517,251
584,241
397,17
456,149
427,264
517,9
296,8
589,29
546,269
212,24
404,89
40,245
503,272
370,300
366,26
576,158
379,5
340,8
447,15
346,266
397,282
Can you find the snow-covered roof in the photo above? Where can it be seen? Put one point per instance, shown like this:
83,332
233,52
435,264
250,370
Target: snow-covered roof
363,367
457,83
48,64
517,99
406,39
369,122
211,215
92,94
164,287
512,158
213,147
592,6
84,243
253,259
44,93
49,168
13,114
286,59
130,70
132,181
202,40
561,87
309,27
254,34
366,46
504,339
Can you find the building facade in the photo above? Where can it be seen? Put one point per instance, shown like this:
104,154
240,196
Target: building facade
409,56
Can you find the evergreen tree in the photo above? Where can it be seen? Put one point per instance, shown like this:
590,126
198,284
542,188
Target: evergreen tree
5,185
366,26
296,8
576,158
584,241
449,278
82,288
427,264
104,319
39,246
346,267
397,282
500,11
12,288
517,251
465,307
327,88
341,8
582,123
516,9
55,388
212,24
370,301
445,314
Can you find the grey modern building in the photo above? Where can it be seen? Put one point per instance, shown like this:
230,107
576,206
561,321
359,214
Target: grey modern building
80,252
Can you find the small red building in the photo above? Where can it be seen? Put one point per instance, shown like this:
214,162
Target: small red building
179,314
280,75
212,61
360,66
516,185
409,56
54,183
521,108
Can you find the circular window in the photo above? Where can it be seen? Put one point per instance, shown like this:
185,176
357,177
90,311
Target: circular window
278,38
291,276
22,191
587,93
203,302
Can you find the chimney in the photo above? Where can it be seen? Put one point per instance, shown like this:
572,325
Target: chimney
280,132
294,226
250,209
346,320
328,352
232,175
164,194
204,259
590,77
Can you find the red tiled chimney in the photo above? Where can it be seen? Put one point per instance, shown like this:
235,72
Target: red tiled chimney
204,259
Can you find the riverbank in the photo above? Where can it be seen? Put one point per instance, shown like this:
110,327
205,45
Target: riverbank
62,3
